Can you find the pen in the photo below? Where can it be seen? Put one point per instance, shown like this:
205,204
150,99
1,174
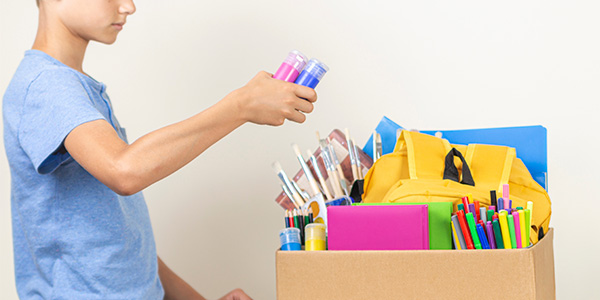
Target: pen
505,231
459,233
497,234
474,235
482,237
511,230
517,229
465,230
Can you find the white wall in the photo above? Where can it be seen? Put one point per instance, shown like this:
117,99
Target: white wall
425,64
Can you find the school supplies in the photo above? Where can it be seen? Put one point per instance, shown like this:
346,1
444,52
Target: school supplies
315,237
312,73
290,239
291,66
439,214
396,227
422,168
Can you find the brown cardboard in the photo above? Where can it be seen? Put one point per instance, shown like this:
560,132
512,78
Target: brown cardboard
419,274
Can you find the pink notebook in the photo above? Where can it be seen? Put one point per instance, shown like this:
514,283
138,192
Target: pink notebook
385,227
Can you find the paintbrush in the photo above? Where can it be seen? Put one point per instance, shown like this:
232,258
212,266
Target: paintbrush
286,181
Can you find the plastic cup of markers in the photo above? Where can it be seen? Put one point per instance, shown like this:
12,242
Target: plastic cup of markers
316,238
290,239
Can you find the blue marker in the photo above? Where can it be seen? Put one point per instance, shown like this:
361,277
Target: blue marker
500,204
312,73
482,237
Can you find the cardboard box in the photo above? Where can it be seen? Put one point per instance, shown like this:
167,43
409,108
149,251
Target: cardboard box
418,274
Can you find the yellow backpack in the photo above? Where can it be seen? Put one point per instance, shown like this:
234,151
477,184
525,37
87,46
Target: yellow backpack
424,168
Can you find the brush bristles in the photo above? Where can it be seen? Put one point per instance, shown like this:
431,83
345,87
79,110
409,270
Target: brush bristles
277,167
297,150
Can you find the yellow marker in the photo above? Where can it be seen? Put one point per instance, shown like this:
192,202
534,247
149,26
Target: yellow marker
456,241
527,225
470,196
530,207
524,242
504,229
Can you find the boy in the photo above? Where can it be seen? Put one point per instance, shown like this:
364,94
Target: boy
81,228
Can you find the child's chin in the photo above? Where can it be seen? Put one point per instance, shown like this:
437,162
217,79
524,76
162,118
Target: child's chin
107,40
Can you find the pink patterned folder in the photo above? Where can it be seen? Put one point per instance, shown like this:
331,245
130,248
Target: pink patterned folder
386,227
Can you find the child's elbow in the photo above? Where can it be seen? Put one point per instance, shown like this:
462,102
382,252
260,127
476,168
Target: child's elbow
124,181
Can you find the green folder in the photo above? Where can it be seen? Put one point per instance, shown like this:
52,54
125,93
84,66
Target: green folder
440,230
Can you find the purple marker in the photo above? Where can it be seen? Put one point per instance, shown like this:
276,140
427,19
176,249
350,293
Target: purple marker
509,204
291,66
472,210
490,234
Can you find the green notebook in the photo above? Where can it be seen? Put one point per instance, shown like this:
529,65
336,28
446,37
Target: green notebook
440,230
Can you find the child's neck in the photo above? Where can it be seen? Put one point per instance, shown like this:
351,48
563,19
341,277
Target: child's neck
58,42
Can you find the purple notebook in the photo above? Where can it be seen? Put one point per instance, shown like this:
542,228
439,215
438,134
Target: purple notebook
385,227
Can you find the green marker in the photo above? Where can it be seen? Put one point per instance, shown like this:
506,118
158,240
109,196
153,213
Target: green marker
511,229
461,207
490,215
498,234
471,221
527,226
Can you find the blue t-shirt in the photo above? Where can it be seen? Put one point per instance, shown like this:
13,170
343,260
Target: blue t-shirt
74,238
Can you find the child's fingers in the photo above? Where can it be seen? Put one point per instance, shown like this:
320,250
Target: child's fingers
296,116
306,93
303,106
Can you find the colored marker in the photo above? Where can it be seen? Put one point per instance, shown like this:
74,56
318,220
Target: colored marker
524,243
530,207
458,232
472,209
482,213
511,231
312,73
482,237
498,234
477,211
493,200
517,229
291,66
465,201
473,229
461,207
455,240
510,204
505,231
519,208
465,229
527,213
500,204
505,195
490,234
490,214
470,197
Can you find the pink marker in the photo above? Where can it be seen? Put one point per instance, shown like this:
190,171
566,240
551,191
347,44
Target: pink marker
505,196
517,229
291,66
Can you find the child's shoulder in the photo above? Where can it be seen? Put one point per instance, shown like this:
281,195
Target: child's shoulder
40,69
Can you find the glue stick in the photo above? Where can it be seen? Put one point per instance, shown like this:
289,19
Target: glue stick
312,73
291,66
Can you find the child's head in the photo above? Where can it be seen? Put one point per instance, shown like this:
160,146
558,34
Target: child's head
91,20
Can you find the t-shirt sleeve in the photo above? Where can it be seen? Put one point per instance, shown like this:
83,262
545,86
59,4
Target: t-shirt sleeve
55,104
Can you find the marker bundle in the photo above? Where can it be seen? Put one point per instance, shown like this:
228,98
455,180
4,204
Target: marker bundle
296,68
499,226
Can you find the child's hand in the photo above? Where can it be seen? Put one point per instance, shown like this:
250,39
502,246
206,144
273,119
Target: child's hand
269,101
236,294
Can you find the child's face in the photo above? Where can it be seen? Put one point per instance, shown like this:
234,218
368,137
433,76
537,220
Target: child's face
95,20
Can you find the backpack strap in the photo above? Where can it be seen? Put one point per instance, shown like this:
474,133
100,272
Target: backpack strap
491,165
426,154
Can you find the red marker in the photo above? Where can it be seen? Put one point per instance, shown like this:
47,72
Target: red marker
477,210
465,201
465,229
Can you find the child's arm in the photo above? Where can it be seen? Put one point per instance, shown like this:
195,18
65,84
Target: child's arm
128,169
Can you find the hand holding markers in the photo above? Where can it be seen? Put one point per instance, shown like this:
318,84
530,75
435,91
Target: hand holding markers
267,101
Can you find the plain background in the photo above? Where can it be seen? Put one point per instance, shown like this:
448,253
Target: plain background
425,64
